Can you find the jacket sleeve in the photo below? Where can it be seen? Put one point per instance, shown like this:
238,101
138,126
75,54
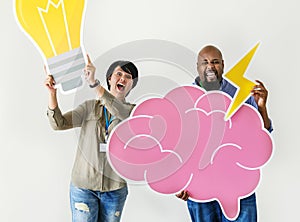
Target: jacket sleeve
117,108
252,102
68,120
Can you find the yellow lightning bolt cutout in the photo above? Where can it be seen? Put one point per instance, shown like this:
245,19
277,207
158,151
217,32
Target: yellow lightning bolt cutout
244,86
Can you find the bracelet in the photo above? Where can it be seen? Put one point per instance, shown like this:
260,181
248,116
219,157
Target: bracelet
97,83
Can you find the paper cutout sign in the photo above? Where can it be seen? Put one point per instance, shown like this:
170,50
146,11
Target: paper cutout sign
244,86
54,26
182,141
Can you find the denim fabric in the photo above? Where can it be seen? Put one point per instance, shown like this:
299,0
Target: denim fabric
230,90
95,206
211,211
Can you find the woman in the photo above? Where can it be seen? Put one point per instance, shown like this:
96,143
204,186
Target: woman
97,193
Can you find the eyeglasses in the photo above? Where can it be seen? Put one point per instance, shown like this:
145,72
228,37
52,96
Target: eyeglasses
214,62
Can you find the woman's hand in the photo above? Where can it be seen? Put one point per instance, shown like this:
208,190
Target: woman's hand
50,82
89,72
50,85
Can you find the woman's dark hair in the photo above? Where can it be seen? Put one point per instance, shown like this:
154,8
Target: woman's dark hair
126,66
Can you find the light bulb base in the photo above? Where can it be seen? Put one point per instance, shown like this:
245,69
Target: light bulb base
66,69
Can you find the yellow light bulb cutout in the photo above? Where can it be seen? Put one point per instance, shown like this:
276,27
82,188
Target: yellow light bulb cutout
55,28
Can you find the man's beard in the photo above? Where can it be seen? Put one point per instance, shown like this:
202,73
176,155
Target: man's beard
214,85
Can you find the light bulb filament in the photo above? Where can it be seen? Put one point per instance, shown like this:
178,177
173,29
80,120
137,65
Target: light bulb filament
54,30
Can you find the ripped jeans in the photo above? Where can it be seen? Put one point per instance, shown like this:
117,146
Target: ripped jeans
95,206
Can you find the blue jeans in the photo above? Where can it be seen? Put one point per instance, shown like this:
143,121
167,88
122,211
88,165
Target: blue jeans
95,206
211,211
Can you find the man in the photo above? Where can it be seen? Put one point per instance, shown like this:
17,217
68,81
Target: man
210,68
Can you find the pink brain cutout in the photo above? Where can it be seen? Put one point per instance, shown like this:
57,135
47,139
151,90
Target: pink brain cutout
182,141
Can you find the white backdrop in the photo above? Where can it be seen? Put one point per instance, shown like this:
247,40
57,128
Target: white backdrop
36,162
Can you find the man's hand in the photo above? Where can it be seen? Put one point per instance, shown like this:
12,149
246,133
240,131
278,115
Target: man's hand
184,195
260,95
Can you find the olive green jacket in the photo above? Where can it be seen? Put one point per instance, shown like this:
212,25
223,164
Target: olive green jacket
91,169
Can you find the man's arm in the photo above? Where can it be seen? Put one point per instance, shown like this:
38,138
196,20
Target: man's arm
260,94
